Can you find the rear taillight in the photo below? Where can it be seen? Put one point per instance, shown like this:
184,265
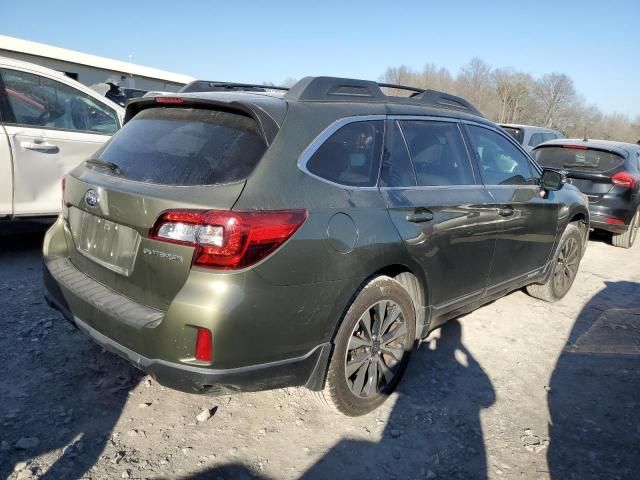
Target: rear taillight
614,221
228,240
203,345
624,179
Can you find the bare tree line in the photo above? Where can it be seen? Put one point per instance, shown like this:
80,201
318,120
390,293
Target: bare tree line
506,95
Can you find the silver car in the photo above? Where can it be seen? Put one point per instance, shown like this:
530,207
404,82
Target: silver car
530,136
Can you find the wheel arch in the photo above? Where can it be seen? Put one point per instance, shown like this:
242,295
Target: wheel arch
415,284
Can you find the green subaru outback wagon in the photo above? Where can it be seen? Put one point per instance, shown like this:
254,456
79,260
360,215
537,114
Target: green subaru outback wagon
243,241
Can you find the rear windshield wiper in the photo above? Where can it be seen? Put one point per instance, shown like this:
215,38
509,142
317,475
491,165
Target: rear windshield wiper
104,164
579,165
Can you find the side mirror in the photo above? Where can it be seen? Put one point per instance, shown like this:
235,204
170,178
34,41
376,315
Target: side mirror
552,180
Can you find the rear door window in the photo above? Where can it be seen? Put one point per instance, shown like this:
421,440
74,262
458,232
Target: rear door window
397,168
438,152
548,136
587,160
185,146
500,161
351,156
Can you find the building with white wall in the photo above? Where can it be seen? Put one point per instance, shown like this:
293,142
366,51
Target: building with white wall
91,69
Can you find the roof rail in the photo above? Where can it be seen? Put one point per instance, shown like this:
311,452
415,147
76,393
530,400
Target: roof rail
215,86
333,89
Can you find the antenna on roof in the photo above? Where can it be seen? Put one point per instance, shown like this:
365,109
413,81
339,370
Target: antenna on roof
585,139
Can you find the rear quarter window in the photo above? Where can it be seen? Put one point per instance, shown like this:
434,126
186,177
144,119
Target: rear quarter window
350,156
516,133
185,146
588,160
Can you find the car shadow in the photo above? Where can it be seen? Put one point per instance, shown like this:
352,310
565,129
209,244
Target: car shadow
434,423
61,395
594,401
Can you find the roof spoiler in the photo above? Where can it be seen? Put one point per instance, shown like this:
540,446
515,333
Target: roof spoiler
266,122
334,89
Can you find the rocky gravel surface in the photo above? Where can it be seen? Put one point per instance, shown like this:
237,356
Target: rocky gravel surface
518,389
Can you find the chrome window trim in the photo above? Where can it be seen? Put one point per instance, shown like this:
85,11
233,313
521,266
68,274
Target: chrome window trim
475,186
432,118
308,152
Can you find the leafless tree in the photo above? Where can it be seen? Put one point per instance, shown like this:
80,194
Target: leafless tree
510,96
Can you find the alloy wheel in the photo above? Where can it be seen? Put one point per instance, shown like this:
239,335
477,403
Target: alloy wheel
566,266
376,349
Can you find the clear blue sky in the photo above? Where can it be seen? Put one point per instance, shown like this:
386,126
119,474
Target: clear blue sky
597,42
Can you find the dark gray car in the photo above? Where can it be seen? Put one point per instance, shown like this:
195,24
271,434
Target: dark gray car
243,241
609,173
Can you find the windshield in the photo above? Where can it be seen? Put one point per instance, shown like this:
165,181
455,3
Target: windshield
184,146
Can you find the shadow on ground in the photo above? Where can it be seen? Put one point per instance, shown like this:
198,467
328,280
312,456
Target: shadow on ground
594,402
434,428
39,350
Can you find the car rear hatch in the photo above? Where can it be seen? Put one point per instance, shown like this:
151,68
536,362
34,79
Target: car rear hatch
169,156
590,168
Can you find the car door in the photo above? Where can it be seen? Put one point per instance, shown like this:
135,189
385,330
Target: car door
6,161
51,127
439,207
528,225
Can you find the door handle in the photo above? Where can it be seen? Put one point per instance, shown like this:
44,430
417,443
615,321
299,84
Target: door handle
419,216
39,146
506,212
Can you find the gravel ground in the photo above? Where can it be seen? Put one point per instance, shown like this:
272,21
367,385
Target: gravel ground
518,389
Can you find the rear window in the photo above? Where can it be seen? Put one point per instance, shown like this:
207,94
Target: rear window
185,146
516,133
587,160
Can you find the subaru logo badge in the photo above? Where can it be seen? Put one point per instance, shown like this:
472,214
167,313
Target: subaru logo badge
91,198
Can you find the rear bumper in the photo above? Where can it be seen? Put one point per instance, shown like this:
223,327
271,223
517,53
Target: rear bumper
600,213
602,225
307,370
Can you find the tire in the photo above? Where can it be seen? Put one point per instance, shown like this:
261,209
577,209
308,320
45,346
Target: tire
566,262
628,238
359,357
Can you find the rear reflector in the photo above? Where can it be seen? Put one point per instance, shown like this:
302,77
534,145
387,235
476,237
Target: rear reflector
63,185
203,345
614,221
576,147
169,100
624,179
228,240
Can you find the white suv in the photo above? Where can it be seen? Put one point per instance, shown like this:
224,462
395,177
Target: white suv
49,123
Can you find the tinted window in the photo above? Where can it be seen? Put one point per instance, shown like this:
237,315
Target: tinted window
42,102
185,146
397,170
536,139
548,136
577,159
516,133
438,153
351,156
501,162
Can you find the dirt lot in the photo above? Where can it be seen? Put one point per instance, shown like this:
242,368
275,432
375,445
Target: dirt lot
518,389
